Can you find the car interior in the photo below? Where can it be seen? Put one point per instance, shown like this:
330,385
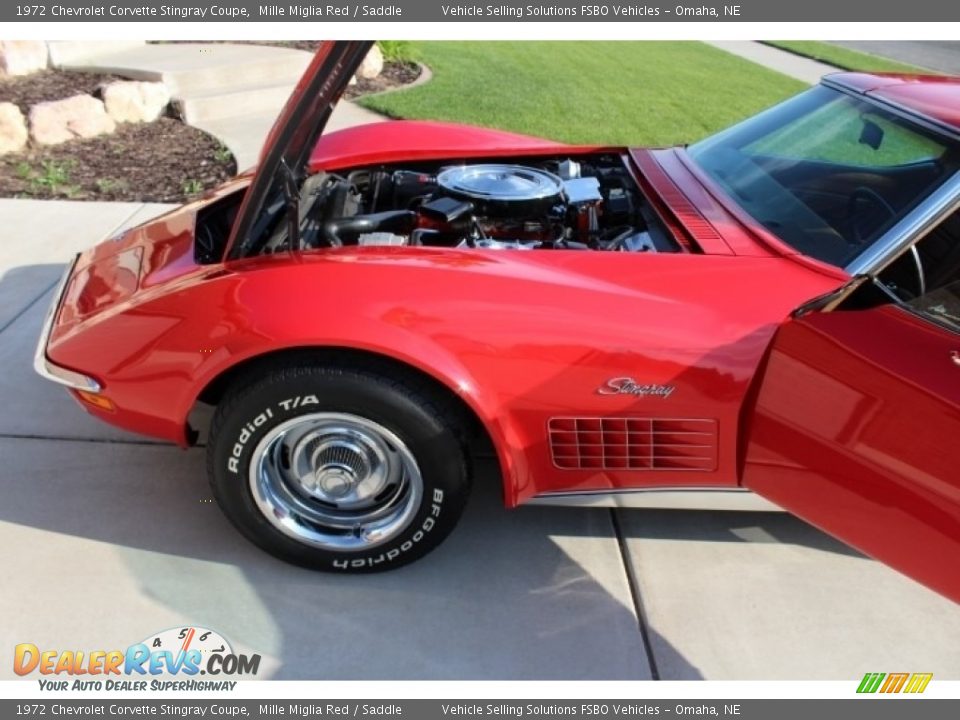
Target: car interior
827,173
926,278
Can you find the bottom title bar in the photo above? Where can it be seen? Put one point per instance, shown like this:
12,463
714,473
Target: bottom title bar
852,709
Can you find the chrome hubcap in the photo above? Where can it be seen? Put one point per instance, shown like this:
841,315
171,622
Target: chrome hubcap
335,481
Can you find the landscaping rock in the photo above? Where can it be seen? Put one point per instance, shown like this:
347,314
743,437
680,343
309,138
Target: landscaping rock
79,116
13,128
22,57
372,64
135,101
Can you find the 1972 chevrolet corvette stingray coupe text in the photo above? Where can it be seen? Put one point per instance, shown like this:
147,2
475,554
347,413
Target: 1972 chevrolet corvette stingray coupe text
770,313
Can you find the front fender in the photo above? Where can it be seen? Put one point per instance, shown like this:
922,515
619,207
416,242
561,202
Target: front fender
154,353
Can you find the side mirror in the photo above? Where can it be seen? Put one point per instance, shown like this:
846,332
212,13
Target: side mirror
871,134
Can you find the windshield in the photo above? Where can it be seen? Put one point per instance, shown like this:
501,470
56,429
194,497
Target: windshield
827,173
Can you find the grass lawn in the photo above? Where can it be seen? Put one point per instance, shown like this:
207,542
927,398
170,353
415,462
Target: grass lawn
621,93
843,58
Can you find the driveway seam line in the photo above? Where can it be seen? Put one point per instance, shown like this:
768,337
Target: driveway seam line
116,228
634,585
29,305
107,441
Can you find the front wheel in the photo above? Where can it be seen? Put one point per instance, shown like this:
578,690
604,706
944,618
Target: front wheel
337,469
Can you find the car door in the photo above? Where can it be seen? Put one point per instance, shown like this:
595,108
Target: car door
855,427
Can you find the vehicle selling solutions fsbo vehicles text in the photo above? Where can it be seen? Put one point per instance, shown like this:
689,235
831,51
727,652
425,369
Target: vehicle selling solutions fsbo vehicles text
593,10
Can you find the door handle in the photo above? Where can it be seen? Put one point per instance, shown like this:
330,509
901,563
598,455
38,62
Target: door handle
955,356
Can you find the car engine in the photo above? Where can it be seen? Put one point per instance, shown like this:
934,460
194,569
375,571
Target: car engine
588,203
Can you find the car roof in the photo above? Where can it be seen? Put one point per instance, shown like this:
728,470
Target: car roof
933,97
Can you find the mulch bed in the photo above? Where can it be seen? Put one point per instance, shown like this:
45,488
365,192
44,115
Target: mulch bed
162,161
27,90
394,75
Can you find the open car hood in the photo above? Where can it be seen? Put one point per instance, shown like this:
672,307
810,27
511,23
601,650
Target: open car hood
286,152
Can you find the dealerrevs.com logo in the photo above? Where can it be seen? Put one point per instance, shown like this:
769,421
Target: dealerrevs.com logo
170,660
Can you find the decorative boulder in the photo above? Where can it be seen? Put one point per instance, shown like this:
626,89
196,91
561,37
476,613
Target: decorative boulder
135,101
22,57
372,64
80,116
13,128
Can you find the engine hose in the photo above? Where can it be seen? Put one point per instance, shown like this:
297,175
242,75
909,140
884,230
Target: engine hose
348,229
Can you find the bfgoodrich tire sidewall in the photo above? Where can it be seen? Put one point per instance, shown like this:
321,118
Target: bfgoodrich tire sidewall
249,416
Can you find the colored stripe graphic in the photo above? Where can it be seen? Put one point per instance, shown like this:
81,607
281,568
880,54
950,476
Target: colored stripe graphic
870,682
918,682
894,682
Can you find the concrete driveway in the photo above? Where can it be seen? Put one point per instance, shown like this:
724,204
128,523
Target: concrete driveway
110,538
940,55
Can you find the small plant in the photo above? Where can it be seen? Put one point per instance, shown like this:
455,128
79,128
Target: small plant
398,51
191,186
51,178
111,185
222,153
54,174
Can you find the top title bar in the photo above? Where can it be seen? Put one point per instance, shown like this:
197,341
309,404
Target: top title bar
453,11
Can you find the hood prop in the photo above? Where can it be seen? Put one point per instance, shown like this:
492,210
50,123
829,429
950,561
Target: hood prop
291,195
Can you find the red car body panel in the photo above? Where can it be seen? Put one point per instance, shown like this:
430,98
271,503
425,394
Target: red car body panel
413,141
829,442
530,340
428,307
932,96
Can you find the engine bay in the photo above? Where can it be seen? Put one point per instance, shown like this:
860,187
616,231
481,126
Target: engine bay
585,203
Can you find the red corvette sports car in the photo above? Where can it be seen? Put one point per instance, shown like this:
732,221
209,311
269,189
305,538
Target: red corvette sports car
770,314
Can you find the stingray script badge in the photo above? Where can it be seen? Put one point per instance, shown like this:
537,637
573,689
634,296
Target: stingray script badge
629,386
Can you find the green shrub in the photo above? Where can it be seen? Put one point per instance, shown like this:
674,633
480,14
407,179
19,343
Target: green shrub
398,51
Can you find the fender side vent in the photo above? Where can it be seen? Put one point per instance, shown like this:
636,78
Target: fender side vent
630,443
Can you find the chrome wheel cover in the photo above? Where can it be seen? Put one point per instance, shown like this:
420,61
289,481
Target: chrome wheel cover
335,481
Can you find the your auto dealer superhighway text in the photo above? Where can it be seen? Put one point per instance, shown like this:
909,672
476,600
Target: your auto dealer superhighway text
146,11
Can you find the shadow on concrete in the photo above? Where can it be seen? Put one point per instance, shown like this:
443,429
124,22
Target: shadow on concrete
500,599
23,286
33,406
729,526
